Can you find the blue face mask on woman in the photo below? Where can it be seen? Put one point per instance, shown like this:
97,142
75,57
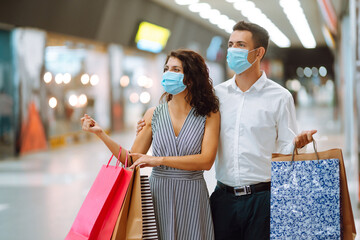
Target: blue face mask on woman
173,82
237,59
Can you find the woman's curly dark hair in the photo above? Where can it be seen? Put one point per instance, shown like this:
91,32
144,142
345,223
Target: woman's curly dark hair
201,94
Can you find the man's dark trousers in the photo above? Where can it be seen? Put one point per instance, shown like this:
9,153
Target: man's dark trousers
244,217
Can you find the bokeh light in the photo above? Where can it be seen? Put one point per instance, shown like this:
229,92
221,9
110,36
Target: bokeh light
145,97
124,81
47,77
85,79
52,102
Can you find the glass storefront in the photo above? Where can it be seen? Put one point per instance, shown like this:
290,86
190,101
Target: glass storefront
76,80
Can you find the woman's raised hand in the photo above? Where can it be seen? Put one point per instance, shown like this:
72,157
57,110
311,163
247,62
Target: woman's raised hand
90,125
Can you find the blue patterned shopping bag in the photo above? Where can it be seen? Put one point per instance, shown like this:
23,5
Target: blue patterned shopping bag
305,197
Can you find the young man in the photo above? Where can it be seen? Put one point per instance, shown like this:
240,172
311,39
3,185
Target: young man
257,119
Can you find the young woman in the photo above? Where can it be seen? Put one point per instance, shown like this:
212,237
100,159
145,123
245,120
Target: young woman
184,132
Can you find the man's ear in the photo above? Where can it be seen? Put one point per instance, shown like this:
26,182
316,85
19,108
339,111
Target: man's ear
261,52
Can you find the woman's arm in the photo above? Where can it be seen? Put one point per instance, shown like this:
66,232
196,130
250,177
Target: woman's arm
142,141
202,161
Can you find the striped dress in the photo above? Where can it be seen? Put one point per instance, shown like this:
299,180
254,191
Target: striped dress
181,199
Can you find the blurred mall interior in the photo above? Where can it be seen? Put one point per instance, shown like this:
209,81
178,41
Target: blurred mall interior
61,59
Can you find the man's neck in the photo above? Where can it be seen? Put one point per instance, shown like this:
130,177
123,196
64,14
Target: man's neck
246,79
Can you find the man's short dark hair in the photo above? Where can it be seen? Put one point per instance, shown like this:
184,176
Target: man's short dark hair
259,34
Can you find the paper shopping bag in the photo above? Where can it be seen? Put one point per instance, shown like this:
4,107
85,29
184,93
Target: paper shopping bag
113,212
140,222
134,225
129,221
120,226
310,198
95,219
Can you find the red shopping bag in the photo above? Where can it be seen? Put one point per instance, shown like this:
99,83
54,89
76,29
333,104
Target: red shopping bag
98,214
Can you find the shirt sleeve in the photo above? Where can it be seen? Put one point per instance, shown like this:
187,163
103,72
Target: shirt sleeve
286,126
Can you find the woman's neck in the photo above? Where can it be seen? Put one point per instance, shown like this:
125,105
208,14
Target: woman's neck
179,103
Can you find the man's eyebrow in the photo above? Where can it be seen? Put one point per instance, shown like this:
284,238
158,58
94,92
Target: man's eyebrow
238,42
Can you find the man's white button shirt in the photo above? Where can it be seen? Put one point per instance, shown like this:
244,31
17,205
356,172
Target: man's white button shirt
254,124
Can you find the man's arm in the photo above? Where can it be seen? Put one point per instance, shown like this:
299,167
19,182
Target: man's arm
287,129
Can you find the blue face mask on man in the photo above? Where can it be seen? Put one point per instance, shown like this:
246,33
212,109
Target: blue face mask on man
173,82
237,59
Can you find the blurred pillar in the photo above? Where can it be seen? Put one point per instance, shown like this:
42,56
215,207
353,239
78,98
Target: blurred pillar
348,70
8,97
356,20
116,56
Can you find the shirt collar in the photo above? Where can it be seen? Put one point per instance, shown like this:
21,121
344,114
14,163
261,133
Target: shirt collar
258,85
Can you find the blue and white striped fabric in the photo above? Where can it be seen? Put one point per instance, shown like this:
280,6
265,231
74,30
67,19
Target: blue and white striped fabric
148,213
181,199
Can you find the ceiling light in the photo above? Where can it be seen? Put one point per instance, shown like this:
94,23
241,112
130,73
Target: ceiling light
198,7
229,30
223,21
214,16
296,16
230,23
255,15
206,13
243,4
252,11
229,26
186,2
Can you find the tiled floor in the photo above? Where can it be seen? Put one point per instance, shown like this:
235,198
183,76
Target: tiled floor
41,193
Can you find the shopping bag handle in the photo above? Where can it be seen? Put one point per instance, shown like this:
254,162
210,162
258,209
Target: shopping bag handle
295,150
118,159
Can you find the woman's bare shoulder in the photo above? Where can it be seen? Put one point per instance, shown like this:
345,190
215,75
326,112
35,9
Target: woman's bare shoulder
148,115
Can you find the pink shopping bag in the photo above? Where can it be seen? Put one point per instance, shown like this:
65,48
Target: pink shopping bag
98,214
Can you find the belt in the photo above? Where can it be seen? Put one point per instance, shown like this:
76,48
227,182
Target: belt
245,190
